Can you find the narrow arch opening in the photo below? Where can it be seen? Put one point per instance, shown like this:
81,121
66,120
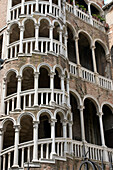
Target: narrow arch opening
57,80
91,122
15,33
108,126
44,28
11,83
58,126
29,29
44,78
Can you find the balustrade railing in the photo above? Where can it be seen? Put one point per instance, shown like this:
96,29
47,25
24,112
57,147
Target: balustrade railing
13,50
30,6
27,99
74,148
85,17
44,45
73,68
105,83
28,46
88,75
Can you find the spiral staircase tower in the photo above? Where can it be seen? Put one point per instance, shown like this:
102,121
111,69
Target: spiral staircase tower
56,86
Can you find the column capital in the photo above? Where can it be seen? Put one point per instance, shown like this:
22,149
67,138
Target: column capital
76,38
17,128
53,121
36,74
81,107
37,26
19,77
21,28
93,47
52,74
64,122
51,27
35,124
100,114
1,131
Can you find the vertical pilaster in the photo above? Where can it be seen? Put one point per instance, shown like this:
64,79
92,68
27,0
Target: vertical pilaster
35,138
21,39
68,98
22,7
36,36
89,11
81,108
53,137
36,77
63,88
17,129
60,39
51,38
3,96
64,124
52,88
18,93
37,6
50,7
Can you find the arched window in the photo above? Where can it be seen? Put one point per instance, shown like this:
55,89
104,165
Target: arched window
58,126
29,29
57,80
14,34
44,78
44,28
85,53
56,31
91,123
11,83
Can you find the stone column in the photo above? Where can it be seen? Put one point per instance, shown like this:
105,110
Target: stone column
8,41
64,11
77,57
64,124
50,7
63,88
89,11
60,39
53,137
37,6
81,108
36,37
8,11
17,129
21,39
52,88
36,76
4,95
22,7
71,134
1,143
105,153
74,9
51,38
94,65
59,4
35,138
18,94
65,39
68,99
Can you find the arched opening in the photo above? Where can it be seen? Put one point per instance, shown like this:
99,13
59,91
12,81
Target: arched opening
58,125
85,53
44,78
100,59
57,80
26,131
28,79
14,33
96,13
29,29
71,46
108,126
69,120
91,122
15,2
11,83
76,128
9,134
56,30
82,5
44,28
44,127
112,55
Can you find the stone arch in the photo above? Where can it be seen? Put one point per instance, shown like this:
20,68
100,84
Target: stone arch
77,96
59,111
25,66
44,111
94,100
14,32
75,34
103,45
59,67
7,119
96,6
56,21
45,18
13,23
108,104
70,114
25,114
11,70
28,18
44,65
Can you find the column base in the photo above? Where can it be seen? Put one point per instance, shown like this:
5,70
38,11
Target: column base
52,155
17,110
52,103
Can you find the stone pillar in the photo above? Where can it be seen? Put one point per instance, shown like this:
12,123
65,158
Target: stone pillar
53,137
22,7
74,9
36,76
60,39
52,88
37,6
17,129
18,93
4,95
89,11
8,11
68,99
1,143
59,4
35,138
51,38
77,57
63,88
21,39
105,153
65,42
64,11
64,124
71,134
36,37
8,41
50,7
82,123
